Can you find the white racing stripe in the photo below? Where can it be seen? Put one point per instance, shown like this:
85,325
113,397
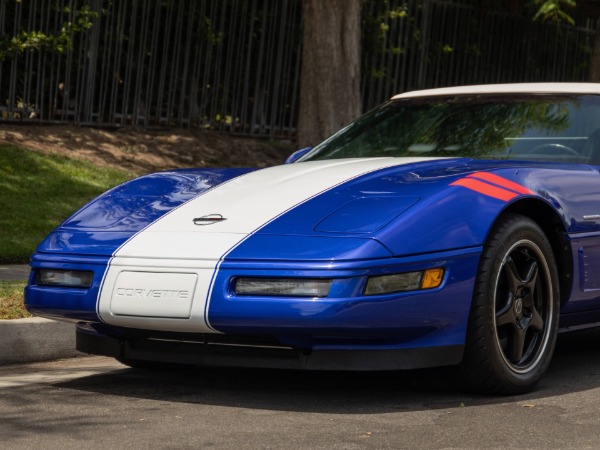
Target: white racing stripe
174,244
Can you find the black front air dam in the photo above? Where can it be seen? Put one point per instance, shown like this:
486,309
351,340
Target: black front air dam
241,354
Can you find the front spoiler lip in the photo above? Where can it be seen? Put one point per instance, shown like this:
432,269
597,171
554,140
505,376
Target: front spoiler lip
263,356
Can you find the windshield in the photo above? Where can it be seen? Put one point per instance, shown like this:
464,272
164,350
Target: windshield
562,128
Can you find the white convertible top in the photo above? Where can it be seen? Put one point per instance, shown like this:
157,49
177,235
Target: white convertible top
519,88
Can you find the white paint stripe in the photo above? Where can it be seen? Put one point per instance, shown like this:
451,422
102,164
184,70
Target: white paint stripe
173,244
247,202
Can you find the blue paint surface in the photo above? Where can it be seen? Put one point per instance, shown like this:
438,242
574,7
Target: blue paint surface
394,220
104,224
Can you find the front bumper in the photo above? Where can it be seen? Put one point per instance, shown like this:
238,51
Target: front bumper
344,321
253,351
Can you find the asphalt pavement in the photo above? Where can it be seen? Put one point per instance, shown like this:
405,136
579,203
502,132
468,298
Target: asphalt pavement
95,402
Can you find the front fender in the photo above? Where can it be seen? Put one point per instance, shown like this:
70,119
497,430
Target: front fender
101,226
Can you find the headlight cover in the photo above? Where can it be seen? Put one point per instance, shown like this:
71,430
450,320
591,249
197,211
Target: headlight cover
402,282
65,278
283,287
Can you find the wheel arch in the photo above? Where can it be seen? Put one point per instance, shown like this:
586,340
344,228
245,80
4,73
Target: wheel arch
548,219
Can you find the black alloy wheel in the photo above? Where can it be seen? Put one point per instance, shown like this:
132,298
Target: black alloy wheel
521,307
514,315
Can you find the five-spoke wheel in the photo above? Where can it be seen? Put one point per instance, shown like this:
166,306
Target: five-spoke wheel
522,309
514,315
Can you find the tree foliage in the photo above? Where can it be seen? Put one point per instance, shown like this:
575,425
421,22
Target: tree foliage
59,41
552,10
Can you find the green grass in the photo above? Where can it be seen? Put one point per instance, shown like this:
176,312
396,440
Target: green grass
38,192
11,300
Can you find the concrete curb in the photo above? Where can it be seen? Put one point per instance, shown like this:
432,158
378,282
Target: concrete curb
36,339
14,272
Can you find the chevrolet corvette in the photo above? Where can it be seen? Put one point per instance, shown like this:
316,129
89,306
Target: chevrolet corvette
455,227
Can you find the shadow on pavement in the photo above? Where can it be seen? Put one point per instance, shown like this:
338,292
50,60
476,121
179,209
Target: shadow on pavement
575,368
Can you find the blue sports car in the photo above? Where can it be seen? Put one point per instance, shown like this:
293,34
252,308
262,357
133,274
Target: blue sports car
448,227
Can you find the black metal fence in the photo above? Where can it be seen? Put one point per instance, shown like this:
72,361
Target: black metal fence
424,44
234,65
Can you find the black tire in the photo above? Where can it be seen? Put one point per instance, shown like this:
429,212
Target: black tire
514,314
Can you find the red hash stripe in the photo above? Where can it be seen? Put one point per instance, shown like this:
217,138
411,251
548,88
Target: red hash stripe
485,189
503,182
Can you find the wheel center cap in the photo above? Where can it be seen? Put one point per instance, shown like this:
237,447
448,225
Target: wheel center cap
518,306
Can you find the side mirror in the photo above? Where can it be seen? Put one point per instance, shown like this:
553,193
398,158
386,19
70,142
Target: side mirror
297,155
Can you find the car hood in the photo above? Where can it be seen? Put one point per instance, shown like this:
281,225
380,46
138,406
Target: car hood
359,208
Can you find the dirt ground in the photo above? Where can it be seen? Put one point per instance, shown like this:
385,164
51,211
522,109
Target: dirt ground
143,151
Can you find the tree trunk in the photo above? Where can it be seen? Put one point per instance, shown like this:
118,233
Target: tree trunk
330,75
594,75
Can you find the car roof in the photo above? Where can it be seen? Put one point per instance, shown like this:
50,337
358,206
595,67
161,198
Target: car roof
518,88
